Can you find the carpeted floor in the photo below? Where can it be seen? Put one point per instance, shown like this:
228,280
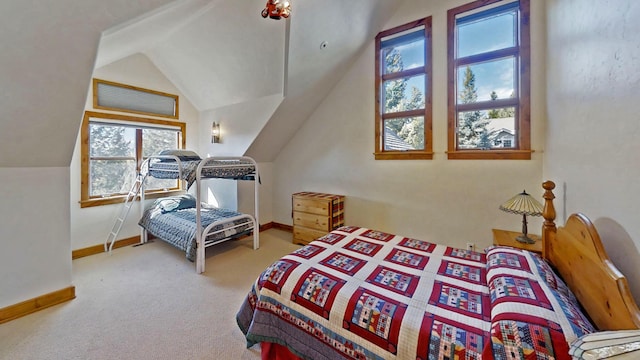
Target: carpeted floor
147,302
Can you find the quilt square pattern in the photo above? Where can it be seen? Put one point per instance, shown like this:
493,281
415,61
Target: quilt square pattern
317,291
401,257
417,245
343,263
354,296
473,274
441,338
508,260
348,229
522,340
375,318
517,290
276,275
377,235
308,251
465,254
394,280
571,310
331,238
363,247
460,300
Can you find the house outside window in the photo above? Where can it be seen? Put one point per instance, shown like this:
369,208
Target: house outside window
403,92
489,80
114,146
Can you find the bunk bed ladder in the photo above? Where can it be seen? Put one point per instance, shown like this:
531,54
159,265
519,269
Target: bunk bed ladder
124,212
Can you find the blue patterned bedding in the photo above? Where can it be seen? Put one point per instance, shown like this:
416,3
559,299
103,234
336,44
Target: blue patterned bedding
178,227
226,169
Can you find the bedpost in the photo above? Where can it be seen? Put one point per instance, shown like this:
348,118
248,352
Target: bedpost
549,214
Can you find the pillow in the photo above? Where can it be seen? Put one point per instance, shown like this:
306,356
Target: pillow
499,257
175,203
529,301
622,344
183,155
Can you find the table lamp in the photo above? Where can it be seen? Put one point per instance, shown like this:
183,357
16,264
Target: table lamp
523,204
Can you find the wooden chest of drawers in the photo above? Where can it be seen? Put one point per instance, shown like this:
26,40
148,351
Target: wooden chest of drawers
315,214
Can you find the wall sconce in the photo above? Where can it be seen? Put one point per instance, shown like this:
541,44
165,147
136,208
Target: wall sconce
215,133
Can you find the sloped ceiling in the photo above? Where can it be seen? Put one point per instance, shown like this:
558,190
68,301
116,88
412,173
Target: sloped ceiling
223,53
346,27
48,54
217,52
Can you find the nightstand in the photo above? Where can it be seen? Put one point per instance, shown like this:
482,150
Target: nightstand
508,238
315,214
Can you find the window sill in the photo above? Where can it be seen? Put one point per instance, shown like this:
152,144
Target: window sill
121,198
489,155
405,155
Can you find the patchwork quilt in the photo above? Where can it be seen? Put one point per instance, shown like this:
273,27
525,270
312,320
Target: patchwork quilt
357,293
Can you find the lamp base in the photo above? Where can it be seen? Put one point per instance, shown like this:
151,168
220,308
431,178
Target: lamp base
525,239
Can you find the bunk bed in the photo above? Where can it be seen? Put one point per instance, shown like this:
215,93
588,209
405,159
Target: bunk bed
357,293
184,221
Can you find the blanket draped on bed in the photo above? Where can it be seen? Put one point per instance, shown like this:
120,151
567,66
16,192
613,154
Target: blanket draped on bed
224,169
178,227
362,294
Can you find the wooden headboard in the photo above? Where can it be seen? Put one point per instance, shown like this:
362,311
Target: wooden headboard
576,252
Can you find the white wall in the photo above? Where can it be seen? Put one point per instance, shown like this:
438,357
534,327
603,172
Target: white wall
240,123
445,201
593,123
34,236
91,226
44,71
246,191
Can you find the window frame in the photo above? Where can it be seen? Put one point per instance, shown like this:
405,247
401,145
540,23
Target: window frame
522,85
427,153
88,201
97,105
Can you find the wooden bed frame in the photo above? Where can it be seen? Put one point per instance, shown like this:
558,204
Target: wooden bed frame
576,252
578,256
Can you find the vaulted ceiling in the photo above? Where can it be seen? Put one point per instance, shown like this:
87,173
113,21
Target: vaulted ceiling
220,53
46,62
217,53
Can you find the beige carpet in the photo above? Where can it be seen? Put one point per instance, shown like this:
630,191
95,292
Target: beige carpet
147,302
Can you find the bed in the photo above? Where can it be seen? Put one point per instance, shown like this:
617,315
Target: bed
166,166
173,219
185,221
358,293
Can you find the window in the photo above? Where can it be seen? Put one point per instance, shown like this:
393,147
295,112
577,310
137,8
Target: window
488,71
403,92
113,146
108,95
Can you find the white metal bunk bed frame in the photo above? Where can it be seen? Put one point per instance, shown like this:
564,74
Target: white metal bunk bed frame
201,236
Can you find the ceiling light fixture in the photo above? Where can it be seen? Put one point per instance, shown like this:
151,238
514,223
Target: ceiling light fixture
277,9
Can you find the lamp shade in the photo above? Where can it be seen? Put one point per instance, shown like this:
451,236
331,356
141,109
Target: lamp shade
522,204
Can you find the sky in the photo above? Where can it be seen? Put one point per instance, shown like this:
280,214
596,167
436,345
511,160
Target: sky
476,37
490,34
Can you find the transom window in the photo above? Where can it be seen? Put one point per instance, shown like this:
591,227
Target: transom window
113,147
488,72
403,92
